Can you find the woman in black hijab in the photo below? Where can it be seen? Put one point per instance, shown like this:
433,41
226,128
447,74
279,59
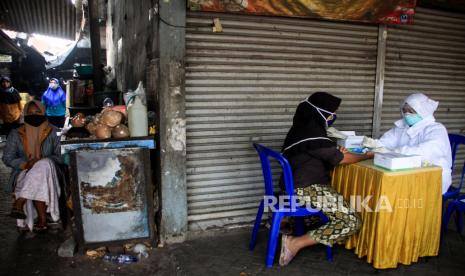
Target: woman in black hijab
312,156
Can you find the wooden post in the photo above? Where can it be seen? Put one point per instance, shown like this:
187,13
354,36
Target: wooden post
95,44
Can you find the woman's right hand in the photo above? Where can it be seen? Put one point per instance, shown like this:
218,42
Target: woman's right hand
342,149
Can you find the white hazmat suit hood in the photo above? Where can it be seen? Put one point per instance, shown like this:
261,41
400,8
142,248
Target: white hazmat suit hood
423,105
427,138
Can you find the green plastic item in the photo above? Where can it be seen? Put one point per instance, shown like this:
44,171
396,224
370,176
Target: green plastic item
84,70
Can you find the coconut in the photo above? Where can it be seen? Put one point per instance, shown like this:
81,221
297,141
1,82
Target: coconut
120,131
89,118
102,131
97,118
111,118
79,120
91,127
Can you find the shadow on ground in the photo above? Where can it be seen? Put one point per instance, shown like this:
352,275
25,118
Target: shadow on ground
224,254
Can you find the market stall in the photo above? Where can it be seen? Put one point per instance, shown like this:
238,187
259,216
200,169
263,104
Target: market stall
107,150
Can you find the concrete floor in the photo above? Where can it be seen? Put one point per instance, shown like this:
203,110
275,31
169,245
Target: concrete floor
225,254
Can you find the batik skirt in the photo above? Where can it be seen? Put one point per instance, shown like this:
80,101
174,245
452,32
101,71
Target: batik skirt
343,220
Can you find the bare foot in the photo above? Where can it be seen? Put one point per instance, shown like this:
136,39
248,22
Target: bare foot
286,256
291,245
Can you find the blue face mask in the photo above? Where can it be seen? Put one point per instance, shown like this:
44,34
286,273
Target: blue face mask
411,119
331,121
53,86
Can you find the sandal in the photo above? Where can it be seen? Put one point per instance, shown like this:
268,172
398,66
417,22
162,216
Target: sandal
17,214
286,256
22,229
50,221
40,229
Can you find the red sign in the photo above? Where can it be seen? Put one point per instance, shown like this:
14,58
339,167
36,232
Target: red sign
374,11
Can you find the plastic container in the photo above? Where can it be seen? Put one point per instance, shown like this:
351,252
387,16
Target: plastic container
137,117
137,111
83,71
120,259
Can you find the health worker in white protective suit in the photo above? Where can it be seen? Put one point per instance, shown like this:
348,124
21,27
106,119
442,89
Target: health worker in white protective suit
418,133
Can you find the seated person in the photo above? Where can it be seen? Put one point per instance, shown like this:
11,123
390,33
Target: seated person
33,151
418,133
312,156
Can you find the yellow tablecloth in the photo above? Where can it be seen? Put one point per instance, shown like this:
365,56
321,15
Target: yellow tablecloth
411,229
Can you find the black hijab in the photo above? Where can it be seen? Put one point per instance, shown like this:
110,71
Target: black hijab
9,95
308,129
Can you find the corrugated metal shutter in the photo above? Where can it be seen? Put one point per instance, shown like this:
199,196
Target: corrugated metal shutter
428,56
243,85
47,17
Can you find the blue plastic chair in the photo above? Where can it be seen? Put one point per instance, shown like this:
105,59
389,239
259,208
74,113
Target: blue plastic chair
279,213
457,206
453,192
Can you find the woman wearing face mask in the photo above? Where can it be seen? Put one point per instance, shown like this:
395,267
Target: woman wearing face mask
33,152
54,99
10,106
418,133
312,156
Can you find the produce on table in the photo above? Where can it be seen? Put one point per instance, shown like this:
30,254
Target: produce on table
120,131
91,127
102,131
111,118
106,124
79,120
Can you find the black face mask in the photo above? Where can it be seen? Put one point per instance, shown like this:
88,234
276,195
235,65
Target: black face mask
34,120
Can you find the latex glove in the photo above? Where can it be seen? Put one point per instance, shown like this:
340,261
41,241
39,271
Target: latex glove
333,132
369,142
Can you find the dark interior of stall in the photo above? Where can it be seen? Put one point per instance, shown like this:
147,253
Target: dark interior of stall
112,129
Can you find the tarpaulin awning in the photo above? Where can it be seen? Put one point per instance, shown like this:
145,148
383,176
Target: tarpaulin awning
374,11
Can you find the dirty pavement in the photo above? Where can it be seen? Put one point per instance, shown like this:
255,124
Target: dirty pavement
223,254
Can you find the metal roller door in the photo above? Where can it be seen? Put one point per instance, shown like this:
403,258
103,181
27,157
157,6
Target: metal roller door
243,85
428,56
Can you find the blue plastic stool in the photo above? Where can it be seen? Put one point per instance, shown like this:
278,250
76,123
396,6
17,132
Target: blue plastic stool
279,212
457,206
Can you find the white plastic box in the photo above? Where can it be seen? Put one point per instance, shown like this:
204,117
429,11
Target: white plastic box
351,142
397,161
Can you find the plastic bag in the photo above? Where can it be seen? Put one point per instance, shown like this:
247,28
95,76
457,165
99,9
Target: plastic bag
333,132
130,95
